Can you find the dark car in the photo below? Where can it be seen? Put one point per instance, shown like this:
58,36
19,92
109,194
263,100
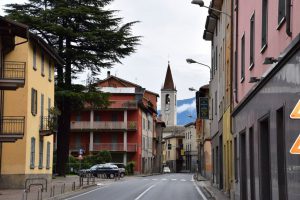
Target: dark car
85,172
121,167
109,170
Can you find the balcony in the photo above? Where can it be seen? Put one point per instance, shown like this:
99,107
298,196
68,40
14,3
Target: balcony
115,147
123,104
12,75
103,125
48,126
11,128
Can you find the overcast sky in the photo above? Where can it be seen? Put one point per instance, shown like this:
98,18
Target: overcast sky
171,30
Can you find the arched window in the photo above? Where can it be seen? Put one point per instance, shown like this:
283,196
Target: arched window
167,99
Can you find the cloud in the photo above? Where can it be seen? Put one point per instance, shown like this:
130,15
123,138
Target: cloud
187,107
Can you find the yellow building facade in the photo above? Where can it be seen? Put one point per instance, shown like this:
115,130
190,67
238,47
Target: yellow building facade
31,156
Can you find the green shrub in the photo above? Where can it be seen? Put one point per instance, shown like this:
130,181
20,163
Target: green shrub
130,168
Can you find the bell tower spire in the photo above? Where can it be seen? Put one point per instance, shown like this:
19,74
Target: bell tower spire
168,99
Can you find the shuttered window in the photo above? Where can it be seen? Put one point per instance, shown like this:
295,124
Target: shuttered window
32,153
252,39
41,153
42,63
281,11
50,71
48,155
243,58
34,58
49,106
264,24
33,101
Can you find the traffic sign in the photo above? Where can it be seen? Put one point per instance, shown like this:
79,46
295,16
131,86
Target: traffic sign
296,111
296,146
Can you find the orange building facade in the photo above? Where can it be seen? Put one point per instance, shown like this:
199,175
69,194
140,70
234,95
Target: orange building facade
126,127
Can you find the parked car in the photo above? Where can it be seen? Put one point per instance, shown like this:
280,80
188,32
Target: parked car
109,170
166,170
84,172
121,167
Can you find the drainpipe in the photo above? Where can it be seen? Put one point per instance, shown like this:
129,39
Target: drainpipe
236,50
288,6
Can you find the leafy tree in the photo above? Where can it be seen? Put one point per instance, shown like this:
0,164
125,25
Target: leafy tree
88,36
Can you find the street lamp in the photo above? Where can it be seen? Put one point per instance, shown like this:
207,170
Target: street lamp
201,4
191,61
192,89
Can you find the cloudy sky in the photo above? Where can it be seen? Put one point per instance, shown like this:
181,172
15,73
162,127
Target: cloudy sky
171,30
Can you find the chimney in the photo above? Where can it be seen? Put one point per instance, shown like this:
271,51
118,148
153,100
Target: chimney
108,74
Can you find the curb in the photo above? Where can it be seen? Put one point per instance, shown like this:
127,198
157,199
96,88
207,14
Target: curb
60,196
145,175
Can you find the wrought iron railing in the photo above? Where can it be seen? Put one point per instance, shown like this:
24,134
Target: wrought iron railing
13,70
103,125
48,124
131,147
12,125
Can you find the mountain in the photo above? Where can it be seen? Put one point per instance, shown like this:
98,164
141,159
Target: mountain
186,111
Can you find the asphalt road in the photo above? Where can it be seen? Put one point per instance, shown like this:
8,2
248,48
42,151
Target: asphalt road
160,187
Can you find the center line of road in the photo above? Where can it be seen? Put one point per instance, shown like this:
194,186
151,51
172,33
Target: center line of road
182,180
174,179
154,179
164,179
143,193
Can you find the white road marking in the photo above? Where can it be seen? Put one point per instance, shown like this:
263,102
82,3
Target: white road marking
174,179
182,180
85,193
164,179
154,179
143,193
146,179
199,191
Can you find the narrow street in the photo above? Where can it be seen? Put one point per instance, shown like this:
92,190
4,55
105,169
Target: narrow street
167,186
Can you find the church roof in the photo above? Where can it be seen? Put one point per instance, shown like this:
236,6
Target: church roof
169,84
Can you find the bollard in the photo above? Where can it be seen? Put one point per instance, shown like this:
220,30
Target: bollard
73,186
24,197
62,189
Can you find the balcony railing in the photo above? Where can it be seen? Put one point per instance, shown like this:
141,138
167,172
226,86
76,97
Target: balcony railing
11,128
125,104
12,75
48,126
131,147
103,125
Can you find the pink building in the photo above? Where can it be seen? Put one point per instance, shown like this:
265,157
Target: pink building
266,88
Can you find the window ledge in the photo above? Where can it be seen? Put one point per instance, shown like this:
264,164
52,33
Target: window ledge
242,79
251,66
281,23
34,68
263,48
40,167
43,75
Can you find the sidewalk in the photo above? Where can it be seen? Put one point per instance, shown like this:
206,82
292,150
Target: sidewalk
210,191
58,186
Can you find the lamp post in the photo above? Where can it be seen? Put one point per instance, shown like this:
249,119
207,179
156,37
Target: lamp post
191,61
201,4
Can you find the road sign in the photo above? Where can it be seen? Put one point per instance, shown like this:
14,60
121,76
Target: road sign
296,112
296,146
203,108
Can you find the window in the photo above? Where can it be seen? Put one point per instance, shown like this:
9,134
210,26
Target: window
216,57
32,153
42,105
33,101
243,58
78,117
252,40
264,25
48,155
281,11
281,158
41,152
235,160
34,58
50,71
243,166
251,163
143,124
49,106
216,102
42,63
167,99
264,159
